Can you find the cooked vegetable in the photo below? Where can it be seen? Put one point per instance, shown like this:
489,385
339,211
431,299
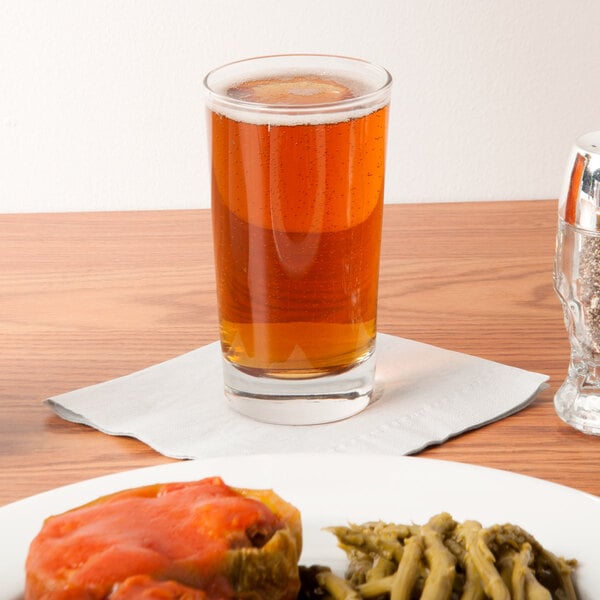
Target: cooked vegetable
336,586
446,560
199,540
143,586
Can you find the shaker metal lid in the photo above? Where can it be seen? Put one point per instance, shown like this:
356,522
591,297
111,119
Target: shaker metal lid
580,201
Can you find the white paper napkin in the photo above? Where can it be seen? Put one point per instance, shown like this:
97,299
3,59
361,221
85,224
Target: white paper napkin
425,395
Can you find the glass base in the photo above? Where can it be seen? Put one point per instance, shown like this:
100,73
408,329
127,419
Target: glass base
579,407
300,401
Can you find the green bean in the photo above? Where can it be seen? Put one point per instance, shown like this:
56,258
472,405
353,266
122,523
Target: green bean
562,571
373,538
483,561
505,563
359,566
408,570
442,563
382,567
513,569
445,560
515,536
376,587
337,587
473,586
533,589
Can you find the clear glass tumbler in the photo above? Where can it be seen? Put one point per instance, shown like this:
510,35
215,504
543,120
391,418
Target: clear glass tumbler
577,283
297,162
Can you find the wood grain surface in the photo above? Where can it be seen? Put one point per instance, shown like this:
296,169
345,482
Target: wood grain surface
86,297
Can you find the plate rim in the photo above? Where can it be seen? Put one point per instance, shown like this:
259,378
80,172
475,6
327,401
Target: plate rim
86,489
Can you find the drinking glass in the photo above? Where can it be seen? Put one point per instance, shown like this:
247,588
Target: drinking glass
577,283
297,164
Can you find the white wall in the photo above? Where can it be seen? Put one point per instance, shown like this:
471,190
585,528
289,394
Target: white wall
101,104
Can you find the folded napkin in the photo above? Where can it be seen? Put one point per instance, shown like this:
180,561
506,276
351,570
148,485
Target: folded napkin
424,395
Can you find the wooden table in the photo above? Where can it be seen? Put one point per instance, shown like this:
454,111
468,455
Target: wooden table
88,297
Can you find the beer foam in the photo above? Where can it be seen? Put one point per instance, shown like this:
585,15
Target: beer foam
291,91
297,99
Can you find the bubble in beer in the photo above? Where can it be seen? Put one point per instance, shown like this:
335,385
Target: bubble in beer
293,91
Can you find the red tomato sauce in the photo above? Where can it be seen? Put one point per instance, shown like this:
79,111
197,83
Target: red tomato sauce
175,531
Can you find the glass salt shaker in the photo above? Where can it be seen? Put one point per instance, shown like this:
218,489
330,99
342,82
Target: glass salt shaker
577,283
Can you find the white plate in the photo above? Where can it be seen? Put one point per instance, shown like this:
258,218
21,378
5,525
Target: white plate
335,489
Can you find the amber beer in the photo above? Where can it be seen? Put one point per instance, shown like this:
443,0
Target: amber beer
297,199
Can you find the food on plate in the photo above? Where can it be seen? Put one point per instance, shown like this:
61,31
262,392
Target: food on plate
444,560
200,540
145,587
205,540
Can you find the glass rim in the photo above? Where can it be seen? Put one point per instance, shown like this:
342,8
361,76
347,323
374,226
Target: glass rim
219,99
